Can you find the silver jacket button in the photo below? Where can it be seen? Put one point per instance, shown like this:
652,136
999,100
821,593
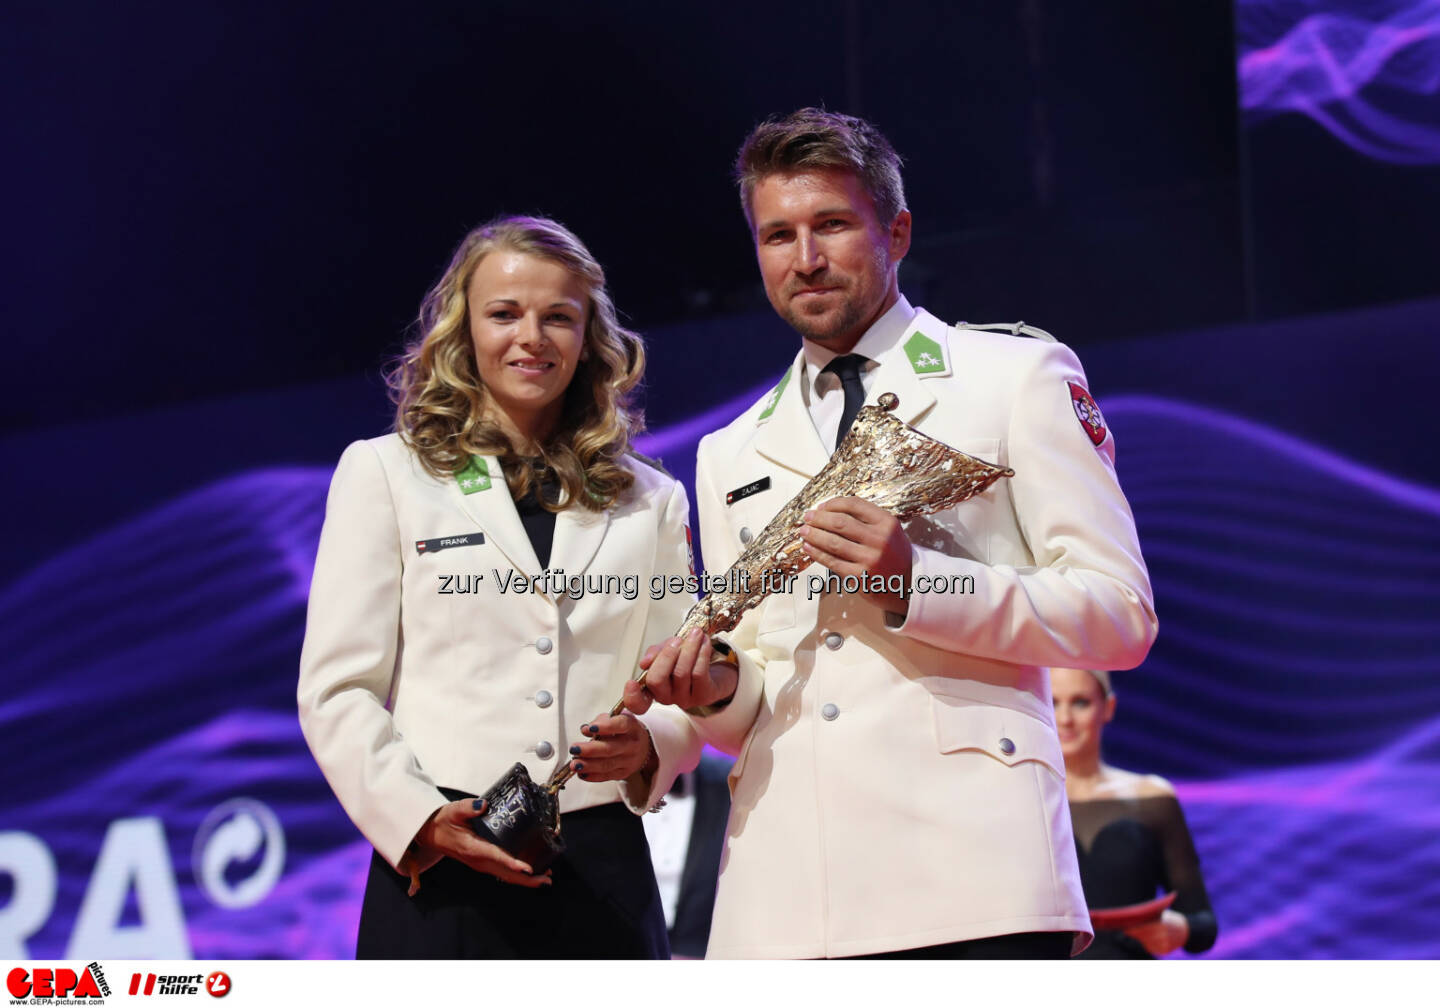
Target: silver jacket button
833,641
829,712
746,535
544,699
1007,747
544,750
544,645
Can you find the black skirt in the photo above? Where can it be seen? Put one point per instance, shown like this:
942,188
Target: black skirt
603,903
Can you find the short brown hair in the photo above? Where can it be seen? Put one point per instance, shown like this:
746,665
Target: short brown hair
813,138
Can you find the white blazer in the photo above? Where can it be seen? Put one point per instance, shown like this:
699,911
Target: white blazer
423,667
900,783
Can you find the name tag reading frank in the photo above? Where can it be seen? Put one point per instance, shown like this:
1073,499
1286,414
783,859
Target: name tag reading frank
423,546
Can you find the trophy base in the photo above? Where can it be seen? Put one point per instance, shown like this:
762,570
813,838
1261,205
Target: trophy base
522,818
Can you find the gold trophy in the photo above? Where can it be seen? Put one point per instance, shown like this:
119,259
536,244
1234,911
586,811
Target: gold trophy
882,460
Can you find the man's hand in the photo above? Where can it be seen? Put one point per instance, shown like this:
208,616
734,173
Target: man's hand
850,536
683,673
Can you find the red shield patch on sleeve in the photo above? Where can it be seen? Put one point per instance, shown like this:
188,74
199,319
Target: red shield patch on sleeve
690,550
1088,414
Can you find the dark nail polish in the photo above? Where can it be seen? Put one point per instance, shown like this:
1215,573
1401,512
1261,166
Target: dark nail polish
579,767
478,805
574,750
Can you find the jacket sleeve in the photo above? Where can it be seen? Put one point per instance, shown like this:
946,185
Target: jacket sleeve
676,742
727,728
1086,600
350,660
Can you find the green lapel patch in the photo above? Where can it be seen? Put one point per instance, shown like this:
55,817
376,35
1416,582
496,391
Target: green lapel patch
775,396
474,477
925,354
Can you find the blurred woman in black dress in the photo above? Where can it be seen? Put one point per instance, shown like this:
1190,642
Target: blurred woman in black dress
1130,833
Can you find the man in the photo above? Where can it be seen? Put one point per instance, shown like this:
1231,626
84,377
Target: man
686,840
899,788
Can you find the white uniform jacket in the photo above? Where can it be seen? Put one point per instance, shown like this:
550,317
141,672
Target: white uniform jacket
900,783
422,666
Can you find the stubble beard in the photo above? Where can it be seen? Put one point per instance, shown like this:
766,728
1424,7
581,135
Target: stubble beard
848,323
826,327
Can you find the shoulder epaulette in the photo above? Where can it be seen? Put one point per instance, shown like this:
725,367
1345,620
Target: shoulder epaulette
653,463
1013,328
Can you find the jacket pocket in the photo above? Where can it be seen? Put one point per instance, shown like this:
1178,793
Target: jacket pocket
1006,735
966,530
985,449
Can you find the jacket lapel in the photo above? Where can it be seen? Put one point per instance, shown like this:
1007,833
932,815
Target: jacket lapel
578,535
788,437
495,512
897,374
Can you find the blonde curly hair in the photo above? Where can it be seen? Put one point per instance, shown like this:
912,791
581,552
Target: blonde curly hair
440,401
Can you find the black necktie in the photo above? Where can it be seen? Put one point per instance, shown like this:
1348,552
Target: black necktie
848,369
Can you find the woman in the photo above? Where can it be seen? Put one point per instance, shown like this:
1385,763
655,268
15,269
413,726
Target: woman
1129,832
482,587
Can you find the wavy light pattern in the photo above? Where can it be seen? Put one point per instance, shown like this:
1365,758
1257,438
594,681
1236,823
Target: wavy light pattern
1331,861
1293,692
1367,70
1293,689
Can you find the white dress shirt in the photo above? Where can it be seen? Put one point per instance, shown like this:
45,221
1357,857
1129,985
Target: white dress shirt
821,390
668,834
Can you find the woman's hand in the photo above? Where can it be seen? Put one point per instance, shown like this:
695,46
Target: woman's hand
447,833
1163,936
682,672
618,747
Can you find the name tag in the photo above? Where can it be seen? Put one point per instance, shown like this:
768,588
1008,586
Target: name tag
449,542
748,490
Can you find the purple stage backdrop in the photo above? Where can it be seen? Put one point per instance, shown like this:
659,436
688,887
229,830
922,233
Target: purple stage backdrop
1367,71
161,802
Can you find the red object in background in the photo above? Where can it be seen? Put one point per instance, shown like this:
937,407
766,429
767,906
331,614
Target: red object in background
1119,918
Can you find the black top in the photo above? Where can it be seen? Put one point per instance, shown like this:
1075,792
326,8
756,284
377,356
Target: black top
1132,850
539,523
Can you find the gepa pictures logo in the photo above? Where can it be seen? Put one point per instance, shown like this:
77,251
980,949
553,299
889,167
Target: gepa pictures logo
60,984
